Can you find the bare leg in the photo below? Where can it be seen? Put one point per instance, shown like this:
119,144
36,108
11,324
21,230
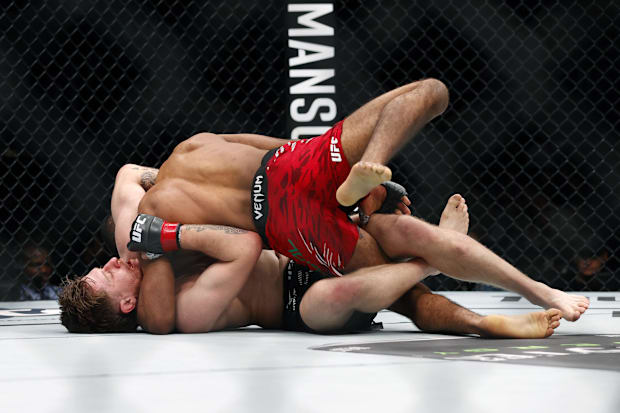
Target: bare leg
376,131
460,256
435,313
329,303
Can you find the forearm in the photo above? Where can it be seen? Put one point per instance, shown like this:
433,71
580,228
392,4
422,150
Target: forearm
156,304
203,306
221,242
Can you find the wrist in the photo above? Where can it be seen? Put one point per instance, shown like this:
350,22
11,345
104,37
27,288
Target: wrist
170,236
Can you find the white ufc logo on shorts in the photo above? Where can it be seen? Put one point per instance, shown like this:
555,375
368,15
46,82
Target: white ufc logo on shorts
335,152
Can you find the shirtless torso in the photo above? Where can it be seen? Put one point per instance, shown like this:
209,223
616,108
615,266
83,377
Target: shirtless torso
260,301
207,179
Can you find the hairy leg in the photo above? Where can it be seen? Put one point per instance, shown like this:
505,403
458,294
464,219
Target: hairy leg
462,257
435,313
369,253
376,131
408,108
329,303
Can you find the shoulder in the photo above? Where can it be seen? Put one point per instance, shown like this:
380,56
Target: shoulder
197,141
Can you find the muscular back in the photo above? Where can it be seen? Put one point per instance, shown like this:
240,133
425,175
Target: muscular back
206,180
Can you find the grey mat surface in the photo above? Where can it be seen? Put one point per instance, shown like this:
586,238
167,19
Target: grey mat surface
45,369
587,351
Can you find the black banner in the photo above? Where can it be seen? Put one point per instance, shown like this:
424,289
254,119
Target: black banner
311,68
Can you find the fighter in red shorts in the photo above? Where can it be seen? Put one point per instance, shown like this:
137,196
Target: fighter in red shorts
305,220
210,179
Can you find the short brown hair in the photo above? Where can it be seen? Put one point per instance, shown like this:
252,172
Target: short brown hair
83,310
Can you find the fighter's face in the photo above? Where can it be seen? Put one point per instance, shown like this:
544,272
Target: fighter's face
117,278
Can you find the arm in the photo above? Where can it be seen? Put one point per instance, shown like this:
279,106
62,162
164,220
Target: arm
156,303
201,305
132,182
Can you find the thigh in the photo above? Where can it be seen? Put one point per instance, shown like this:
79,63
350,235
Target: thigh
402,236
367,253
359,126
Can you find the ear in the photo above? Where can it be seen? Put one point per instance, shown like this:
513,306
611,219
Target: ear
128,304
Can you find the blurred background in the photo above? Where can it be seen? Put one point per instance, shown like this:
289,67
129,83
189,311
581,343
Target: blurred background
530,138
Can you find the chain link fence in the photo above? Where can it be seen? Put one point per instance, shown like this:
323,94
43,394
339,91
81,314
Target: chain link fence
530,137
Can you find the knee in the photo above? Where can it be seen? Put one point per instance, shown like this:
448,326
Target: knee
337,294
459,244
420,289
438,94
422,238
415,231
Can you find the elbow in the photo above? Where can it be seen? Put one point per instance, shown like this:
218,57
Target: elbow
193,329
159,331
125,170
161,322
248,250
160,326
252,245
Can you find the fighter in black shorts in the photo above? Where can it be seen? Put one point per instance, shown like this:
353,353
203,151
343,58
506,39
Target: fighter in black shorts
93,304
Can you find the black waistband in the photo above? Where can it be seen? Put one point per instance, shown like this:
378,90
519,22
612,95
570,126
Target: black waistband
258,196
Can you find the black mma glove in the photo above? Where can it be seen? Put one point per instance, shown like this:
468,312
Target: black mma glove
153,235
394,195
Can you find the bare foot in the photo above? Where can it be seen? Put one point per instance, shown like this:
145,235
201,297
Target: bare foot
540,324
363,177
572,306
455,215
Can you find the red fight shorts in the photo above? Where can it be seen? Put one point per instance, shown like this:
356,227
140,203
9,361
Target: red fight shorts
294,202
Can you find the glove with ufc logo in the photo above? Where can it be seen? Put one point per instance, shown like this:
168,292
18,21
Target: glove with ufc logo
153,235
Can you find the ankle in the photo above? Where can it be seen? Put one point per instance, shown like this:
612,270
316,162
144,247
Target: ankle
480,326
540,293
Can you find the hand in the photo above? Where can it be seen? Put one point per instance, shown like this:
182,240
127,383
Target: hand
153,235
387,198
396,199
402,208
